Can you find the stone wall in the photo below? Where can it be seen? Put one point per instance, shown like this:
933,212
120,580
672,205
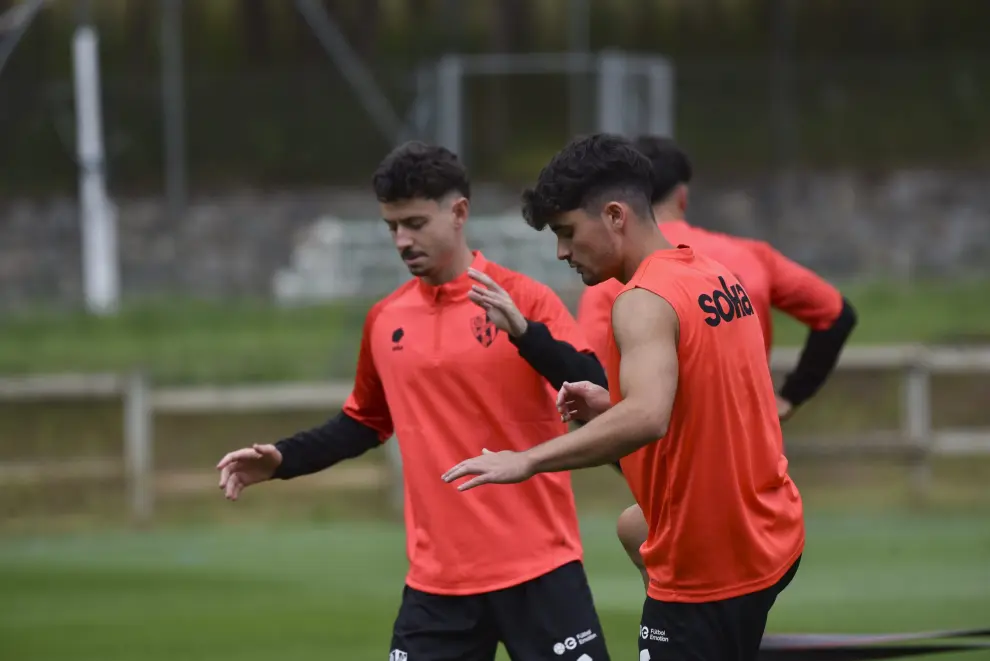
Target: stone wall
906,224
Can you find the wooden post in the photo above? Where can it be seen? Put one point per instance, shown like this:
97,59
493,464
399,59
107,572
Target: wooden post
917,423
138,448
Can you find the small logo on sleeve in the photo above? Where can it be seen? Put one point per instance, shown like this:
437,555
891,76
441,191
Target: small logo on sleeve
484,330
397,336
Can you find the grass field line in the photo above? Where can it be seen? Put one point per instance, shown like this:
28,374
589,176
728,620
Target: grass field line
172,480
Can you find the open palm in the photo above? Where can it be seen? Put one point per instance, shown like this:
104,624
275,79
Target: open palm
505,467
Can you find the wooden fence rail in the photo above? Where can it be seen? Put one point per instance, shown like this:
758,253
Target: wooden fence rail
915,439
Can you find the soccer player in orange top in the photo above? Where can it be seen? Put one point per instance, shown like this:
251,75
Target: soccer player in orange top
466,356
691,413
771,281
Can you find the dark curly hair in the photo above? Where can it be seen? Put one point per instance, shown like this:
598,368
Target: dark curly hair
586,174
418,170
670,164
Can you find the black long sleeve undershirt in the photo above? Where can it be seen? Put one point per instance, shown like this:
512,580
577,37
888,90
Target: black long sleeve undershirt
310,451
556,360
818,357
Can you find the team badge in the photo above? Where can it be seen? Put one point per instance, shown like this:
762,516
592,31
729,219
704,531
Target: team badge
484,330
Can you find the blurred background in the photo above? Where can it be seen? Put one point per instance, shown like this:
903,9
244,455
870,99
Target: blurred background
189,244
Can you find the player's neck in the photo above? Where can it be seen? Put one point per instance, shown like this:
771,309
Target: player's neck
665,213
647,243
457,266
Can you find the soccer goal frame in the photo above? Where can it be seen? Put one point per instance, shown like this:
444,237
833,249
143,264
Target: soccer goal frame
623,104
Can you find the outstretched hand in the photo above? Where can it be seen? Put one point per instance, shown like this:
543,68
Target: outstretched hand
582,401
505,467
494,300
247,466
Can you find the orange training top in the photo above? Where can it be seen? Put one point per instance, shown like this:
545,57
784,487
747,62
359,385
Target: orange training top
771,280
724,517
449,383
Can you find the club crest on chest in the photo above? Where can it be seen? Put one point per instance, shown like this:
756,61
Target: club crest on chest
484,330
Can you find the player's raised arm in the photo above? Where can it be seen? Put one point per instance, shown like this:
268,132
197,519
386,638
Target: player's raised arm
646,329
546,335
804,295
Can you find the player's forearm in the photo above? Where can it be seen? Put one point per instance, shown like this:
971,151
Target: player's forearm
555,360
819,357
623,429
313,450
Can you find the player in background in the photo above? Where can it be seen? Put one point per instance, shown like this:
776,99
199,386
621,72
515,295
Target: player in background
690,414
465,357
771,281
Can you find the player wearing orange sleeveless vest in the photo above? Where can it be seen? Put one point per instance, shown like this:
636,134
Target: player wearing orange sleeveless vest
771,280
691,413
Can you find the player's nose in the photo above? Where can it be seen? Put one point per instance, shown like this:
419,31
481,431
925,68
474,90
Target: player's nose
402,239
563,251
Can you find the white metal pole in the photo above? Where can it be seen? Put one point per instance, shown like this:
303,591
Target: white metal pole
611,93
101,277
449,103
661,98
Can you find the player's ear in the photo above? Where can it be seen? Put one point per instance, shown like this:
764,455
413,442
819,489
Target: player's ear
460,209
615,216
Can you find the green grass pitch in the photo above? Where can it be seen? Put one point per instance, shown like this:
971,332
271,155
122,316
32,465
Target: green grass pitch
247,592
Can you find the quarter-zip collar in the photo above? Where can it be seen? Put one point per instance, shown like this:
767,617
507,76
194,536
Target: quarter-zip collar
455,290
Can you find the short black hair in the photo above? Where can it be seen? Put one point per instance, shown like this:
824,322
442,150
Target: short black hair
418,170
671,165
584,173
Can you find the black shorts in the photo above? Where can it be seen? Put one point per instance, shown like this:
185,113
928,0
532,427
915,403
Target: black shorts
728,630
549,617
